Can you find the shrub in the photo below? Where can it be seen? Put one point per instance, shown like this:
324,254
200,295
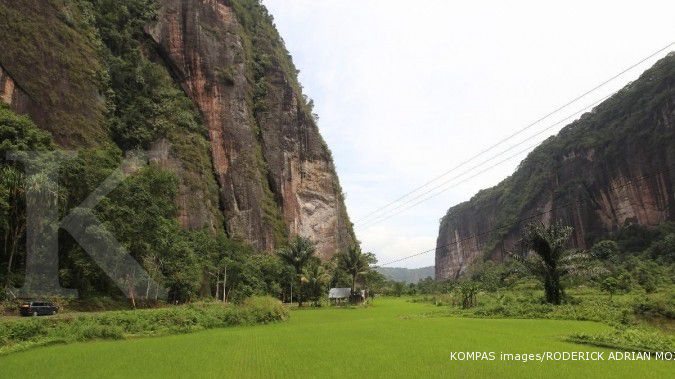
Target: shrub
632,339
24,333
468,291
651,308
605,250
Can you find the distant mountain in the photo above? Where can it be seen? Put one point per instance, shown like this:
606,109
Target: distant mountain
407,275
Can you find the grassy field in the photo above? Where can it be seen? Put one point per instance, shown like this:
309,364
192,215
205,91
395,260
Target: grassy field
393,339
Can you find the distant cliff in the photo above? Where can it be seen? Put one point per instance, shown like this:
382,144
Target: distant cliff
406,275
612,166
218,103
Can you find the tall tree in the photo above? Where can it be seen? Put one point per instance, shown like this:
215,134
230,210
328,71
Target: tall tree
316,278
355,262
545,255
298,254
17,134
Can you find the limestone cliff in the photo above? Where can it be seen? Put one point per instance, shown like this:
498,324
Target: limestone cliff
261,171
612,166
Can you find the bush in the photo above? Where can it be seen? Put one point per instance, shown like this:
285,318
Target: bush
19,334
630,339
605,250
653,308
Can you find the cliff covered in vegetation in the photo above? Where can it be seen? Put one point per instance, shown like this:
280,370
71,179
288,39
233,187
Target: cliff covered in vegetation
206,86
613,166
207,89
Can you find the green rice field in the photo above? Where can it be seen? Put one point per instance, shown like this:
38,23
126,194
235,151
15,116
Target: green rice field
393,338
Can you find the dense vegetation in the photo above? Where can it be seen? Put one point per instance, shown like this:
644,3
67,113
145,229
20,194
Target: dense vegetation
21,334
141,214
140,104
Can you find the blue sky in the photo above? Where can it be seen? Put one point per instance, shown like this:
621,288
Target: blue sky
407,90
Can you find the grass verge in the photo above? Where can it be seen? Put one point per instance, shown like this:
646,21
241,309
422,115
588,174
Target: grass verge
21,334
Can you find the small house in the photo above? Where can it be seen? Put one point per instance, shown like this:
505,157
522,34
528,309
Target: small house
339,294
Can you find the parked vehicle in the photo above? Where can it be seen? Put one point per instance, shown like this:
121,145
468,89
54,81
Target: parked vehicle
38,308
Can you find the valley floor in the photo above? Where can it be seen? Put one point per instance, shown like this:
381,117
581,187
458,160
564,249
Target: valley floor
394,339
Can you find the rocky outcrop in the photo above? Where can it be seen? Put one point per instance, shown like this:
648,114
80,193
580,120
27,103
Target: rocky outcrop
615,165
196,39
275,174
263,172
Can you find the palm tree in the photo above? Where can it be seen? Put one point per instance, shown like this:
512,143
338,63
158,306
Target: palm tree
551,260
316,278
355,263
297,255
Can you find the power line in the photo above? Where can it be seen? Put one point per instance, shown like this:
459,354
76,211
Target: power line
367,216
385,217
518,221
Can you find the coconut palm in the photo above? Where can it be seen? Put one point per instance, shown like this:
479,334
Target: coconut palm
354,262
297,255
544,254
315,277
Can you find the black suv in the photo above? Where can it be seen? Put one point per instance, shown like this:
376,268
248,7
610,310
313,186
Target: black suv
38,308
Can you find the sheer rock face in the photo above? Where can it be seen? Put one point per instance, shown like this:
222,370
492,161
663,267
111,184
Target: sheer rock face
274,175
196,39
271,167
588,187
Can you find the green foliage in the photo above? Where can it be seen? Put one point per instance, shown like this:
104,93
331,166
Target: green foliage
604,250
655,307
610,285
467,291
398,288
355,263
635,255
17,134
298,255
634,238
648,275
664,249
120,22
629,339
21,334
544,254
315,279
143,102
